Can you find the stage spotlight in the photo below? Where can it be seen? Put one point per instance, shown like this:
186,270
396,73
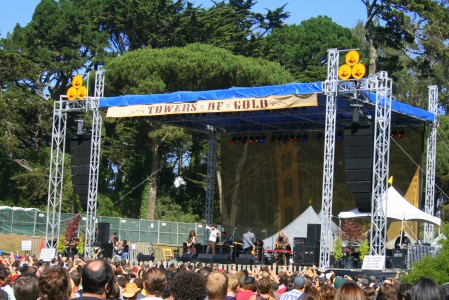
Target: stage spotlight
291,139
305,138
318,136
256,139
393,134
250,140
262,139
339,135
400,134
232,141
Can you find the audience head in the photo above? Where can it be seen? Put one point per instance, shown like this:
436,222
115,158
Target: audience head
216,285
54,283
404,291
188,286
444,291
425,289
98,278
349,291
26,287
155,281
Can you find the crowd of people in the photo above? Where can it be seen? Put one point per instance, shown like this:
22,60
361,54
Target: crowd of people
24,278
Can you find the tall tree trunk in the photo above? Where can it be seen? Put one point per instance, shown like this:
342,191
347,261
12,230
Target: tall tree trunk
153,181
372,56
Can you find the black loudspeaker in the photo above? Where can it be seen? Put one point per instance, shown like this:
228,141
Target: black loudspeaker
349,262
358,155
80,153
298,252
245,259
205,258
311,255
220,258
107,249
186,257
398,259
297,240
313,235
103,232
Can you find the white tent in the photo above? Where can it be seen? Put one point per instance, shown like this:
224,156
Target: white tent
398,209
297,228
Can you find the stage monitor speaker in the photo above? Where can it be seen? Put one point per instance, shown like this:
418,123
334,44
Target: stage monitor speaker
80,146
298,252
103,232
205,258
245,259
358,156
313,235
220,258
398,259
311,256
297,240
186,257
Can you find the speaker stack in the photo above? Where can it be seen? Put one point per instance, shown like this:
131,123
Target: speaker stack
312,247
245,259
80,146
205,258
103,232
358,155
299,247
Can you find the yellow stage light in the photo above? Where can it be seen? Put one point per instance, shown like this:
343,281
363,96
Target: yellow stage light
77,90
358,71
344,72
352,57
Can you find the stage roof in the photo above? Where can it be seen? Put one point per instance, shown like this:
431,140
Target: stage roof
290,107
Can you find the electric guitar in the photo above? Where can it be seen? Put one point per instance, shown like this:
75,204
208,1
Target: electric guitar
191,242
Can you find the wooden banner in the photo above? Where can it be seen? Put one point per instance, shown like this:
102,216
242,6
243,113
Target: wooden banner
214,106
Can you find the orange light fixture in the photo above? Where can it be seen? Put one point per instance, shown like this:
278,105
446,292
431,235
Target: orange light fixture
352,67
77,90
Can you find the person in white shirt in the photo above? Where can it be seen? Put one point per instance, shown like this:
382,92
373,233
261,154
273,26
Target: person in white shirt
214,236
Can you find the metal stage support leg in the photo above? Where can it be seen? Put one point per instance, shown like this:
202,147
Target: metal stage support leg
210,180
431,162
94,162
330,89
381,158
56,177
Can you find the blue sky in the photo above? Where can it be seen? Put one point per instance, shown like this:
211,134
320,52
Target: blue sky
343,12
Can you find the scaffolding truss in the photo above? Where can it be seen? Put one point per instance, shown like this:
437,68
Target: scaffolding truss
431,163
59,128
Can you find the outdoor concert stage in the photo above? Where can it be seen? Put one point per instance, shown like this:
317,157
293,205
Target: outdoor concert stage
272,145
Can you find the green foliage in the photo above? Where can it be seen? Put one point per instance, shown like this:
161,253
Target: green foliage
436,268
80,246
302,49
168,210
338,249
60,246
363,249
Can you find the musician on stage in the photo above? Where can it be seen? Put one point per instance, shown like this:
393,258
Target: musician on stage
248,239
282,244
402,241
214,237
225,239
259,250
191,242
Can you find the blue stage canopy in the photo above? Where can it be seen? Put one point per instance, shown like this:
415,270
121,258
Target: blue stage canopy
289,118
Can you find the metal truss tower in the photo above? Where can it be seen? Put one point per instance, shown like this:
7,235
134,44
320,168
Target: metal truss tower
210,179
431,163
330,89
382,85
56,176
94,162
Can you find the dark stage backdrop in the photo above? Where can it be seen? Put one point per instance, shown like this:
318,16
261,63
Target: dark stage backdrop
268,185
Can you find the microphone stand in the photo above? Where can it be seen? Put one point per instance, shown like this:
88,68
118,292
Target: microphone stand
234,250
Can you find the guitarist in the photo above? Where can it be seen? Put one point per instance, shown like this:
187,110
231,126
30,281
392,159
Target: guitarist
282,244
191,242
249,239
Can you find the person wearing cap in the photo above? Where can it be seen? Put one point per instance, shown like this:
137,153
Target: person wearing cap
130,291
247,289
299,284
339,281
